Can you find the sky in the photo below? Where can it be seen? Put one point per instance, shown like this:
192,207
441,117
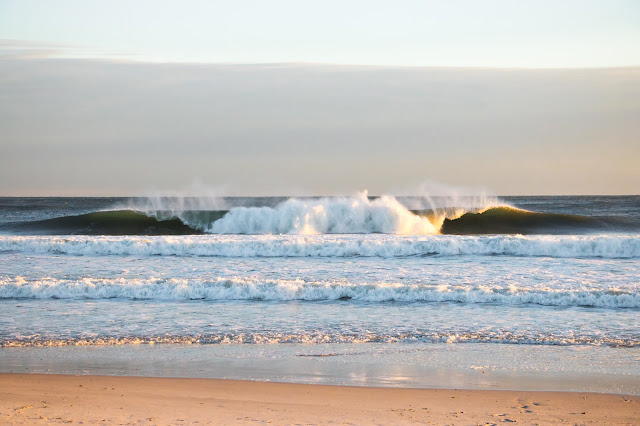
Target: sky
332,97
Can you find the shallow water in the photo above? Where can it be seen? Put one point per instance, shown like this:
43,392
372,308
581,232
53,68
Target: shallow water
415,365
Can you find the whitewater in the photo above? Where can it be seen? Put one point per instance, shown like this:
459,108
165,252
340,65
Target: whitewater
605,246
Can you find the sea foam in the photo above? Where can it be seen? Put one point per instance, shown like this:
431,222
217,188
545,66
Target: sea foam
321,338
367,245
238,288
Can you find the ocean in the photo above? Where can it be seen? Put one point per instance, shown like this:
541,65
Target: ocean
473,292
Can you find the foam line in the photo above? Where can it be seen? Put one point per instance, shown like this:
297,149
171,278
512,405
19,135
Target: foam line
223,288
319,337
588,246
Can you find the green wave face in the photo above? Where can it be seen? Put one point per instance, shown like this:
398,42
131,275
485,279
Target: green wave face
507,220
121,222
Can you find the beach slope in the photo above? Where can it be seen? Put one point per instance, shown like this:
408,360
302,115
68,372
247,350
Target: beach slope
35,398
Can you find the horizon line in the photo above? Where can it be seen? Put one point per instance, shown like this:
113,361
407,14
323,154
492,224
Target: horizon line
174,195
301,64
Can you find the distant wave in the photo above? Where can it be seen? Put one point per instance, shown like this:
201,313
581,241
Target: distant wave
603,246
253,289
348,215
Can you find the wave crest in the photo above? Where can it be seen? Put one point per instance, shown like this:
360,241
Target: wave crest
352,215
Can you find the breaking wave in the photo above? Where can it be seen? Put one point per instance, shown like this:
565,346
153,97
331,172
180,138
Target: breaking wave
587,246
347,215
355,215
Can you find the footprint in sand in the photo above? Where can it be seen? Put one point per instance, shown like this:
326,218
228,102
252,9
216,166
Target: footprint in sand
506,420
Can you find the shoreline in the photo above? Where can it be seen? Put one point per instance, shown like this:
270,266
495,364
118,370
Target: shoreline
428,366
33,398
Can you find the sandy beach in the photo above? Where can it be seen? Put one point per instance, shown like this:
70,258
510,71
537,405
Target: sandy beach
36,398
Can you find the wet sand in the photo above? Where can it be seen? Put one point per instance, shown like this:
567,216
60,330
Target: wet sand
37,398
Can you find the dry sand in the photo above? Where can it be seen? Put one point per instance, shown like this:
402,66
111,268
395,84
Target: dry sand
35,398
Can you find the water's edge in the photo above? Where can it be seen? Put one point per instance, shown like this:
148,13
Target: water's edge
442,366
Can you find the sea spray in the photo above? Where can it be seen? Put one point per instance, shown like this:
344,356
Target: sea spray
190,205
448,201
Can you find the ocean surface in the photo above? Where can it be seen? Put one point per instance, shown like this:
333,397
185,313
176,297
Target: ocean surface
323,287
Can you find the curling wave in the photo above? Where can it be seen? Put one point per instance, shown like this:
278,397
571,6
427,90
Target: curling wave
118,222
509,220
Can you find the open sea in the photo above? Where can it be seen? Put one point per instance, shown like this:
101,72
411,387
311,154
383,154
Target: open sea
470,292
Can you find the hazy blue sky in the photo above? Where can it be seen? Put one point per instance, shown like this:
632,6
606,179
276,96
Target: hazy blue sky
503,33
519,97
